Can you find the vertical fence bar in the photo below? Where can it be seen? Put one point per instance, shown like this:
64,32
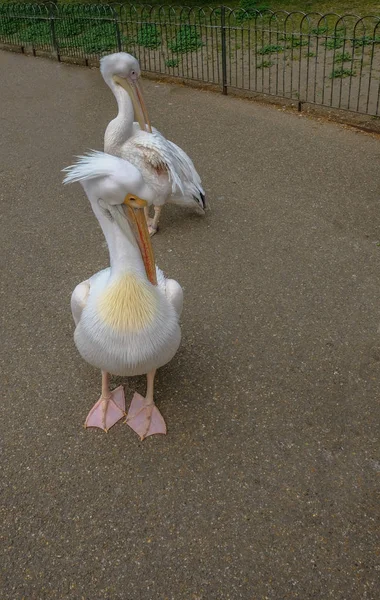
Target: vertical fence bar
371,66
224,49
53,32
117,28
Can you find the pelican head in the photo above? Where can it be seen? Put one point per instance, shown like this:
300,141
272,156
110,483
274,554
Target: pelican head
123,69
118,189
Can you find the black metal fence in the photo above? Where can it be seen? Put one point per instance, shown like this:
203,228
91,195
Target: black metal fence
329,60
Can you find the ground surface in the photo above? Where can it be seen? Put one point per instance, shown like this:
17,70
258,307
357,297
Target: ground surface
265,487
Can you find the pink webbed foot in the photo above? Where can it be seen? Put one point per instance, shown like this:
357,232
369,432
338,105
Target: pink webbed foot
107,411
144,417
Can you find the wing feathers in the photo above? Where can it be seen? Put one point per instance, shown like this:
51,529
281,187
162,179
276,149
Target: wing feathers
161,153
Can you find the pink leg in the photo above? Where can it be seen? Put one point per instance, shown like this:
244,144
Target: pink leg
149,221
146,213
143,415
153,225
109,409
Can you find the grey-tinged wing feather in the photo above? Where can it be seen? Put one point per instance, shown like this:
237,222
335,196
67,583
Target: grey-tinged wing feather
160,152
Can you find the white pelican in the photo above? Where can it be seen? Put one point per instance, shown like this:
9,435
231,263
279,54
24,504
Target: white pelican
167,168
127,315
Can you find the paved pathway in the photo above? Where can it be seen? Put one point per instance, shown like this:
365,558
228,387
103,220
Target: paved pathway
264,488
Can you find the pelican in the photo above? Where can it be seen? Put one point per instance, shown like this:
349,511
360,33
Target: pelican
127,315
167,168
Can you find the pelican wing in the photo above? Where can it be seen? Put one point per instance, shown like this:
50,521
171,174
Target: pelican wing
160,155
191,181
154,150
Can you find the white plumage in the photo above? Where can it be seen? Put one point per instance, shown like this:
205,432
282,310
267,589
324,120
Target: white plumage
125,325
166,167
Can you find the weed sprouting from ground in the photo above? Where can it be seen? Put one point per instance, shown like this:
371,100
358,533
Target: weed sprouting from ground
333,43
186,40
149,36
265,64
297,43
365,41
342,57
172,62
270,49
319,30
341,72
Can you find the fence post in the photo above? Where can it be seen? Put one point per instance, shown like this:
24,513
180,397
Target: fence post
117,28
53,33
224,49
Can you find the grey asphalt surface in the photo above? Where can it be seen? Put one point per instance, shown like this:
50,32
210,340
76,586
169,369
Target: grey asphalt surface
266,486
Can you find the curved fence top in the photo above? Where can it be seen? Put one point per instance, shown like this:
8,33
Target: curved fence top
236,14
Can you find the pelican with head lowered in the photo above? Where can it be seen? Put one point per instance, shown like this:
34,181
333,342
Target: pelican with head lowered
126,316
163,165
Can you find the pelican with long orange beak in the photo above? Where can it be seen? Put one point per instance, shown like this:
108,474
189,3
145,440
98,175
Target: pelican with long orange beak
127,315
164,166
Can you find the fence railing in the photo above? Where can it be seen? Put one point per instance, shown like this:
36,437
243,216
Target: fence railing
329,60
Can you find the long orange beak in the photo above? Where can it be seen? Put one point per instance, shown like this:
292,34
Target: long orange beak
143,106
139,106
137,219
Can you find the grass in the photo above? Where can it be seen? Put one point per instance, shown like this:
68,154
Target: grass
249,10
319,30
359,7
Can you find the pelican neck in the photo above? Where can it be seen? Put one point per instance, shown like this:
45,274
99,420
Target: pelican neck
125,255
